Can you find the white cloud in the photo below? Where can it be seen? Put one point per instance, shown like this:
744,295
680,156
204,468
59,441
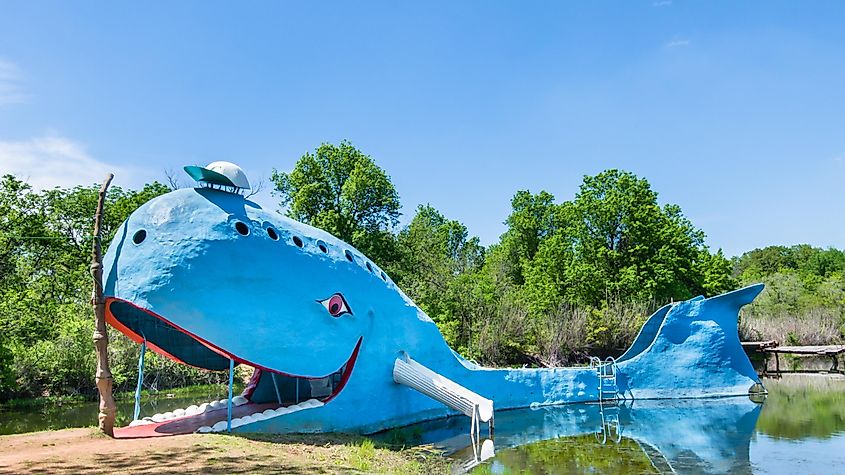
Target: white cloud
677,43
49,161
10,83
662,3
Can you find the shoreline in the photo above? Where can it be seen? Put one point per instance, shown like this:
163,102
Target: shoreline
86,450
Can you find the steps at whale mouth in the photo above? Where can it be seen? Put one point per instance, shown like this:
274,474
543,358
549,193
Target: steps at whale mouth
210,420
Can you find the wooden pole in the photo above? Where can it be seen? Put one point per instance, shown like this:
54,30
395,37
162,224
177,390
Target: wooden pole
101,338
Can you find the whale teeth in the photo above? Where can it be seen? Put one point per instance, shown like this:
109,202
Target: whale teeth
311,403
219,426
194,409
258,416
281,411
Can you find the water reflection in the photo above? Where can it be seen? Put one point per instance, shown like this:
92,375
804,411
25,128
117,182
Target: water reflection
798,427
802,406
688,436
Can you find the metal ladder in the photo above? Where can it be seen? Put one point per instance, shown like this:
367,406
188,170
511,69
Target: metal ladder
608,393
606,372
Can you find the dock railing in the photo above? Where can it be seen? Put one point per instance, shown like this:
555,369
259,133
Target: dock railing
772,347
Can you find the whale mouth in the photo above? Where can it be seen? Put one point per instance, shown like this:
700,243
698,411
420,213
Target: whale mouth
270,392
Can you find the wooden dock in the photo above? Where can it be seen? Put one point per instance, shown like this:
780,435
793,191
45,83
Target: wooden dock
772,347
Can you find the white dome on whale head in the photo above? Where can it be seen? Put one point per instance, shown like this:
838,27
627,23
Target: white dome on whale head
220,173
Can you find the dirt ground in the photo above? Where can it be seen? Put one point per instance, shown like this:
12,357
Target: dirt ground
87,451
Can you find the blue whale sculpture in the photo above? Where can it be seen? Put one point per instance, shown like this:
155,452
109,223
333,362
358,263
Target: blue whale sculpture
206,277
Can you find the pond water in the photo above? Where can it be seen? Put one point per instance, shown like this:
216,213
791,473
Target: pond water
83,414
798,428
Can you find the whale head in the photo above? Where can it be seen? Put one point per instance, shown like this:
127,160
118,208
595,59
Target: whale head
205,276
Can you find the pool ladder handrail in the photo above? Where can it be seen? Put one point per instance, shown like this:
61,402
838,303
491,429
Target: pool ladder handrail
606,372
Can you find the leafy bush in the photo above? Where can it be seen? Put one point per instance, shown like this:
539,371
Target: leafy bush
613,327
562,335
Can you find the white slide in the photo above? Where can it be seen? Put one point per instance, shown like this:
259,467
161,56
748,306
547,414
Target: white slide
412,374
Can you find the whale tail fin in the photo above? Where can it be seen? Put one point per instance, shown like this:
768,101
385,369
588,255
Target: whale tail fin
738,298
647,333
691,349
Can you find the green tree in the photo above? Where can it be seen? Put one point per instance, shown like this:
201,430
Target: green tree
714,272
436,257
46,246
615,240
45,319
341,190
532,219
812,264
7,375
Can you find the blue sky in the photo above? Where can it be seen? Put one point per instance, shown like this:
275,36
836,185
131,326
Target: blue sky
733,110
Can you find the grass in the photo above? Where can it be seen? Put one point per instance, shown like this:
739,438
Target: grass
817,326
329,453
87,451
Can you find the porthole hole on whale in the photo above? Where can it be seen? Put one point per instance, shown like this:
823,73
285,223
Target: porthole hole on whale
241,228
139,236
323,247
272,233
369,267
298,241
349,256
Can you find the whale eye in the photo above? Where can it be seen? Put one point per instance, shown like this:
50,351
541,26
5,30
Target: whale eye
336,305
